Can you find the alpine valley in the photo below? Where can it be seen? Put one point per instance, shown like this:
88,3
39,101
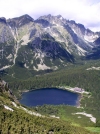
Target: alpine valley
50,52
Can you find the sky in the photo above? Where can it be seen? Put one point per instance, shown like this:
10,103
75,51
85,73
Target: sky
86,12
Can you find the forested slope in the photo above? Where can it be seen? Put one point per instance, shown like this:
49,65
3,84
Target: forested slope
13,119
73,77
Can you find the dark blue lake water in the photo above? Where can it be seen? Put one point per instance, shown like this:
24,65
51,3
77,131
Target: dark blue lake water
51,96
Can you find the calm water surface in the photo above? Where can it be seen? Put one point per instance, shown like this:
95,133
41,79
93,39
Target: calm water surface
52,96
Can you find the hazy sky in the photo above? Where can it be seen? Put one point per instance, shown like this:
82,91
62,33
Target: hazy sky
86,12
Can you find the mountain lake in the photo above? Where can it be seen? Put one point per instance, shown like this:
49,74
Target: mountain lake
49,96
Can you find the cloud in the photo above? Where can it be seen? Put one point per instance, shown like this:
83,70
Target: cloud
85,12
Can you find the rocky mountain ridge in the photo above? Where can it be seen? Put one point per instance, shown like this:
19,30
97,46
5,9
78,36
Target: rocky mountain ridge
49,42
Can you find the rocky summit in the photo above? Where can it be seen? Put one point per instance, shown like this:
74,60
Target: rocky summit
49,42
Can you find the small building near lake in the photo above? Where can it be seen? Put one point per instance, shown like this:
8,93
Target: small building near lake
77,89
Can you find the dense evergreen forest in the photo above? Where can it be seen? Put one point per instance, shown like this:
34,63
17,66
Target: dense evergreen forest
73,77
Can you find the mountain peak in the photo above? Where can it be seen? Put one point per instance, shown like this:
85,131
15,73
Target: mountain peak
45,17
72,21
59,16
19,21
26,16
49,15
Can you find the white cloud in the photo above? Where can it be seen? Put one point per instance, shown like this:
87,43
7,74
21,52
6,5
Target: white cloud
82,11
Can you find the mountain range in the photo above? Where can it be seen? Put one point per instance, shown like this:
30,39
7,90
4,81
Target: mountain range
29,48
50,42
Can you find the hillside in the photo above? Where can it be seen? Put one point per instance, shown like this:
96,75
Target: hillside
18,119
83,76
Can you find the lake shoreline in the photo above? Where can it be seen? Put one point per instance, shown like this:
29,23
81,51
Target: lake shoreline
80,96
78,101
59,87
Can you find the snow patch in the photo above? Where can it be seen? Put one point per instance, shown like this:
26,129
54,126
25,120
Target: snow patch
15,105
36,114
31,112
9,56
74,31
8,108
26,66
53,116
93,119
93,68
26,110
5,67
